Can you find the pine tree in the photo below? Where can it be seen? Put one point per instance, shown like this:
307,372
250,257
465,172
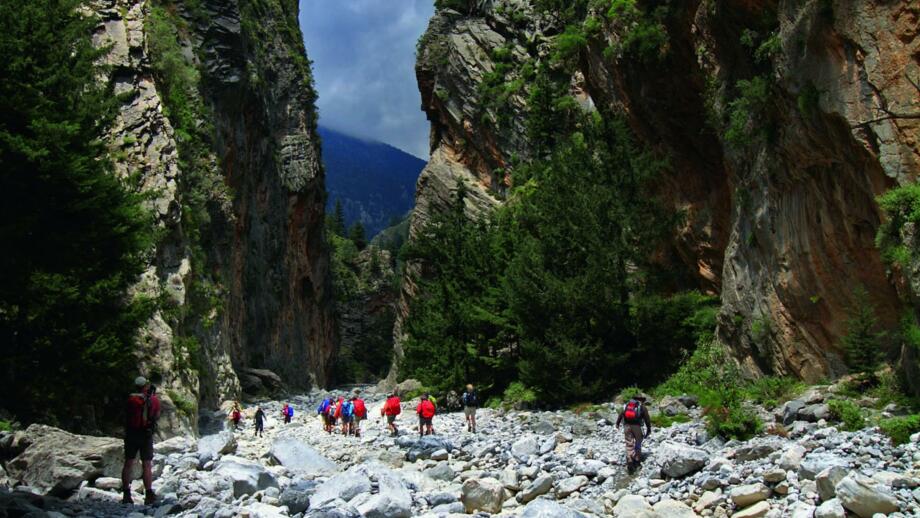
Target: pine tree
863,342
357,236
337,225
74,236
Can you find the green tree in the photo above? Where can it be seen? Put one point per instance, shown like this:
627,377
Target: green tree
337,222
74,235
863,341
357,235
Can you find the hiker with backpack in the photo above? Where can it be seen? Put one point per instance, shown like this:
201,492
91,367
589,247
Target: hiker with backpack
425,411
287,413
391,409
260,421
142,412
347,410
236,415
323,411
634,414
470,400
360,414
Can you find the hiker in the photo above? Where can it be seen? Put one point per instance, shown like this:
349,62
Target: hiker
330,415
260,421
634,414
143,410
338,409
470,400
425,411
287,413
322,411
360,414
391,409
347,412
236,415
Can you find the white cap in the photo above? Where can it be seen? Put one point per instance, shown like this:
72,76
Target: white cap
140,381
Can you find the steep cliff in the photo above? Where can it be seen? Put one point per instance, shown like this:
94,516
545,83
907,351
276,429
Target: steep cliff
218,124
781,122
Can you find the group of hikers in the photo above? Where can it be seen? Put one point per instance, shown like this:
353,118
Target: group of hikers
143,410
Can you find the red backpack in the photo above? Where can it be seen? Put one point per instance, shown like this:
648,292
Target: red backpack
138,412
426,409
360,409
392,407
633,411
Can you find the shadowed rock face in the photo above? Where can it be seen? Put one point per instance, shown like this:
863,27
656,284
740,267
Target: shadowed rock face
271,254
784,227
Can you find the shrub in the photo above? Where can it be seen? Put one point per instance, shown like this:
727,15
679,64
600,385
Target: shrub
184,405
568,44
6,426
771,391
747,111
847,413
899,429
732,421
518,396
661,420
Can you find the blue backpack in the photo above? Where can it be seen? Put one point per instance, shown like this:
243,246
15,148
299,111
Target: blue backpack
290,411
322,407
348,409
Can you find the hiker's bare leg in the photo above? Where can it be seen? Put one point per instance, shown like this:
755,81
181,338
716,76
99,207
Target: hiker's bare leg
126,477
148,476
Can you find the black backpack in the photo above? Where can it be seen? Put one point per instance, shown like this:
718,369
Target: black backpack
470,399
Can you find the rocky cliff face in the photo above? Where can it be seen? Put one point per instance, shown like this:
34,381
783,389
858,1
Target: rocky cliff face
261,255
780,220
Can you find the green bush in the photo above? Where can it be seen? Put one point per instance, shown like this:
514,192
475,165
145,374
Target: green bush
771,391
863,341
6,426
747,112
848,413
184,405
517,396
899,429
732,421
663,421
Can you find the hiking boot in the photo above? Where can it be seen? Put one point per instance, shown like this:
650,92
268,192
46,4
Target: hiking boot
149,497
126,499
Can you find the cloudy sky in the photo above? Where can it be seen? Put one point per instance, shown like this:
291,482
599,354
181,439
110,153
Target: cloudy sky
363,54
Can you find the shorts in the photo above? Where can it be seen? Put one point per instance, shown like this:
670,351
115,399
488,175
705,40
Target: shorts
424,422
347,419
139,441
469,411
391,419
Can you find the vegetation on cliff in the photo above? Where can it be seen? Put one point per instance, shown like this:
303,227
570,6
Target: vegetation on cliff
75,235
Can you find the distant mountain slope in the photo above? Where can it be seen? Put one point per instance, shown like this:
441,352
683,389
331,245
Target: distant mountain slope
374,181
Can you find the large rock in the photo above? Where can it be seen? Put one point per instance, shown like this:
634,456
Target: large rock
408,386
245,477
567,486
296,499
815,463
791,411
441,471
543,508
56,462
486,494
791,459
633,506
757,510
211,446
827,480
680,460
425,447
393,499
746,495
830,509
524,448
863,496
673,509
343,486
540,486
298,456
260,381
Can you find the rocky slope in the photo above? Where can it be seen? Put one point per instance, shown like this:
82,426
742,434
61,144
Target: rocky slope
249,288
774,219
522,463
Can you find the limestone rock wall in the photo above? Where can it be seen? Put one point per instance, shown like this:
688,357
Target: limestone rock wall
782,228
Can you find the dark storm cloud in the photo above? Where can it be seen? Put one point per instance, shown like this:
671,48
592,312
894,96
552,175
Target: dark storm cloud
363,54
